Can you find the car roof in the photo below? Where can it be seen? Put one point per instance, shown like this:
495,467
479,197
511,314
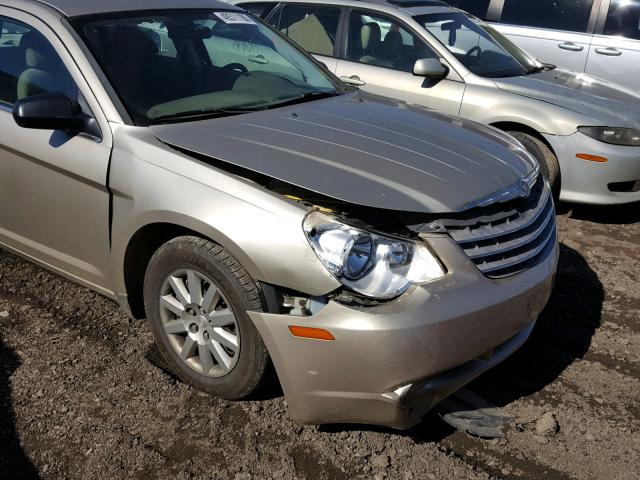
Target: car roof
411,7
74,8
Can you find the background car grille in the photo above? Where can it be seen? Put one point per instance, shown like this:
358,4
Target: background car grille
506,238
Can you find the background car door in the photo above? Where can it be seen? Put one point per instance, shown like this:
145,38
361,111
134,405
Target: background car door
55,204
312,27
379,56
554,31
615,54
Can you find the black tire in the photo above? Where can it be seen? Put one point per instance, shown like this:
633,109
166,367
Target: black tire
548,161
241,293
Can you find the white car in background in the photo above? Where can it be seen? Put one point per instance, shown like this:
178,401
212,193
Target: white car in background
601,38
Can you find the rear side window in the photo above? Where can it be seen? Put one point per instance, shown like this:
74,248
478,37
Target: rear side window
259,9
478,8
623,19
568,15
29,65
312,27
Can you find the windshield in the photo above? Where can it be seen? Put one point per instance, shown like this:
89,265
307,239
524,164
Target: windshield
184,64
478,46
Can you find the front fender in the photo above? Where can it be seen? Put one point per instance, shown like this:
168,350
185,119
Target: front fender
490,105
152,183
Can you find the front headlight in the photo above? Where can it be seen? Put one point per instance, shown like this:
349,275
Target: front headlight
629,137
370,264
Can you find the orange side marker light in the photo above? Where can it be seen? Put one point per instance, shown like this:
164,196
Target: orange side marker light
310,332
592,158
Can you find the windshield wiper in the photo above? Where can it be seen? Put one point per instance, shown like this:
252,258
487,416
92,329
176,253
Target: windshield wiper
226,112
544,67
305,97
199,114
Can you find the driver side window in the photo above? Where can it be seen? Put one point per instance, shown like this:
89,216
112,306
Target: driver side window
463,41
29,65
379,40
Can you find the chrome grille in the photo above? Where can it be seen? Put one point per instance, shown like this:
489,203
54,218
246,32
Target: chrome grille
505,239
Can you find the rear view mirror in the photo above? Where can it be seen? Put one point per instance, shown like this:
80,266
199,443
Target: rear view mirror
53,111
430,68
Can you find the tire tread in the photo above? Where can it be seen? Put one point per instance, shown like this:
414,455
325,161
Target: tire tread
248,288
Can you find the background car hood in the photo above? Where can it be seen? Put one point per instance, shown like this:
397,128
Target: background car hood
608,104
363,151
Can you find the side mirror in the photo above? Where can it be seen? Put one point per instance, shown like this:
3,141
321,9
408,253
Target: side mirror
430,68
53,111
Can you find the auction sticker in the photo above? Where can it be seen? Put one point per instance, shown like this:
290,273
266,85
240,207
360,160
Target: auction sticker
231,17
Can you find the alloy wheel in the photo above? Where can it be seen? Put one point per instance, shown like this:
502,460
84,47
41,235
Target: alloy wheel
199,322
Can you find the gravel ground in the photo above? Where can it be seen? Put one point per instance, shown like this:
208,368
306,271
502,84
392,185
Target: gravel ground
81,395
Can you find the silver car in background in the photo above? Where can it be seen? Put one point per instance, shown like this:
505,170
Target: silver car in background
190,162
598,37
584,132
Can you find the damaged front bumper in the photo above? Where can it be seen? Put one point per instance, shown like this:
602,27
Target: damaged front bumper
390,364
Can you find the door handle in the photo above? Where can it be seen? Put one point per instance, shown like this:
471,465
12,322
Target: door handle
572,47
353,80
609,51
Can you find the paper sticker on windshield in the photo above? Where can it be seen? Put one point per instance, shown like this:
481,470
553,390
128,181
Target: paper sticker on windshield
231,17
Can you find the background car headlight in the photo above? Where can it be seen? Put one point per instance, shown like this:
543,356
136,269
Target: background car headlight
370,264
629,137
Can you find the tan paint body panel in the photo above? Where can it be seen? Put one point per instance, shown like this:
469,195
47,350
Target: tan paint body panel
429,331
60,219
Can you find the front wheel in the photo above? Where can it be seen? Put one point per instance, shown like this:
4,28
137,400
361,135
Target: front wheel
196,299
546,158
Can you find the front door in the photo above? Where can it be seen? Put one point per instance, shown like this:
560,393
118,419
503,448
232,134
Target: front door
379,57
54,204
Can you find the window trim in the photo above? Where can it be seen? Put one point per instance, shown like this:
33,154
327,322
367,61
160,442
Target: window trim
591,24
602,17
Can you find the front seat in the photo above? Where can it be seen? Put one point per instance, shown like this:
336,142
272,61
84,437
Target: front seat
45,71
132,63
370,43
392,47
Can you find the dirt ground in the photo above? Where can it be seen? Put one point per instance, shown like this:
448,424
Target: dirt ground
81,395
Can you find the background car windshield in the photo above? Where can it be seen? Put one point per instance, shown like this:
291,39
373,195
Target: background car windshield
183,62
477,45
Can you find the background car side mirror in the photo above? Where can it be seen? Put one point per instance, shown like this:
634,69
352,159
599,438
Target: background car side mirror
430,68
53,111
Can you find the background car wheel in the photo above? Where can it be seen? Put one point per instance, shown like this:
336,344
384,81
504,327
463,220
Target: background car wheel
548,161
196,297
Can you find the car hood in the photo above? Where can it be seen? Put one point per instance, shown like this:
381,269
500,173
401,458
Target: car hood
608,104
365,151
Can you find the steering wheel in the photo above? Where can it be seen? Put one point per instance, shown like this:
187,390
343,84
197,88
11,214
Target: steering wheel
233,67
473,50
227,75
